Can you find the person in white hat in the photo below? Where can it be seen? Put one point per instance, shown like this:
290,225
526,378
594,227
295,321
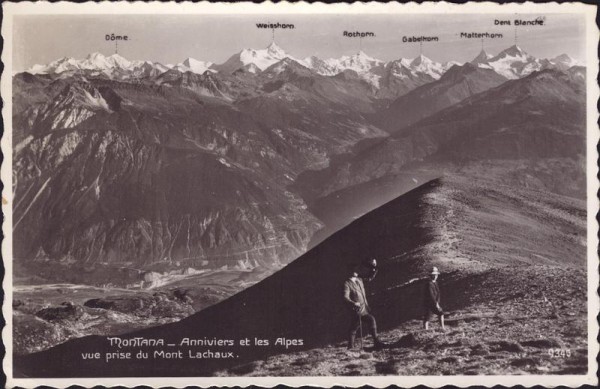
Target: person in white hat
431,301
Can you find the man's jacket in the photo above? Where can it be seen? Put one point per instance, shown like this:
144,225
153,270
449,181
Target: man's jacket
432,295
354,292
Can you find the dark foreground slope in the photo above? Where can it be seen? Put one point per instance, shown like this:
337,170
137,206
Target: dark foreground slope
528,322
467,229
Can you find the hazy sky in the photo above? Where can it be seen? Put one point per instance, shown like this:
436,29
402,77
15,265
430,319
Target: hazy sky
172,38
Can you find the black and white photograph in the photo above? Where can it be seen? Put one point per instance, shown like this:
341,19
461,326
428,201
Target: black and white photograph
376,194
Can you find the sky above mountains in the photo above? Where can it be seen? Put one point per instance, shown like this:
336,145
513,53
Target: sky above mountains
172,38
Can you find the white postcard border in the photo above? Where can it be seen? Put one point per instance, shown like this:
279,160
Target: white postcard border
593,136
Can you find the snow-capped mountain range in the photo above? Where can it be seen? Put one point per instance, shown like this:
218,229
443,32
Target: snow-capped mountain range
511,63
515,63
95,62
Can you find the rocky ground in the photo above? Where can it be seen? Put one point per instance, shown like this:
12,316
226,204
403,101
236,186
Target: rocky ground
536,325
513,266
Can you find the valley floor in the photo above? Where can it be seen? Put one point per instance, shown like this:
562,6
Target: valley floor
46,315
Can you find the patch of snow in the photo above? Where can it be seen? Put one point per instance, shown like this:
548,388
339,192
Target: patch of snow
22,144
70,142
73,118
224,162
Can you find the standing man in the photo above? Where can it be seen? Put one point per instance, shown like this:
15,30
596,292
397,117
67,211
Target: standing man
431,300
356,298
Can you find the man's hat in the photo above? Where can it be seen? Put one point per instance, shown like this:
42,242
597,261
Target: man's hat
435,271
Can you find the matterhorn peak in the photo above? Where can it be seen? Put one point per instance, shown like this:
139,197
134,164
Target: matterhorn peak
482,57
516,48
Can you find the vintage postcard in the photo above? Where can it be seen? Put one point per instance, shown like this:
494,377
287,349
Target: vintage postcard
301,194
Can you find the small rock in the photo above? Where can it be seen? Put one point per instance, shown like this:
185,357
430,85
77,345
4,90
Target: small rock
480,350
450,359
523,362
504,345
17,303
66,311
542,343
408,340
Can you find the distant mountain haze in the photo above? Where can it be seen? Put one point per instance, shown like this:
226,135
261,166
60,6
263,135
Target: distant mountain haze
541,116
457,83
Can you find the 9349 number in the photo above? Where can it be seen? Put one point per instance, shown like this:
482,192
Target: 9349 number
559,352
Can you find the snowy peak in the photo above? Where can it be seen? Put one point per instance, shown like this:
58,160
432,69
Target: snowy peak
448,65
399,64
319,66
563,62
193,65
513,51
58,66
117,61
482,57
287,64
360,62
367,67
563,58
420,60
95,57
362,56
275,51
404,62
424,65
97,61
513,63
262,58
